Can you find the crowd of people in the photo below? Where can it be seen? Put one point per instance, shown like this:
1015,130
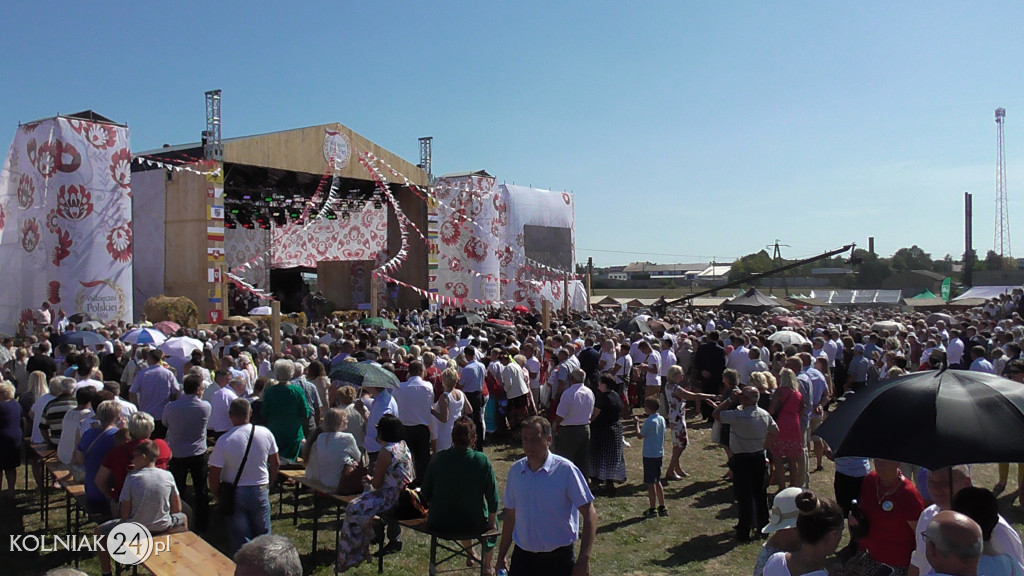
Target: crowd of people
125,414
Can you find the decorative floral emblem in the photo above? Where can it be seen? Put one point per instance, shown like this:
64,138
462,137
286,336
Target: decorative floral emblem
505,256
566,198
556,290
475,249
119,243
100,136
3,219
53,292
43,157
121,168
26,191
30,234
460,290
52,224
450,232
67,156
74,203
496,228
454,264
520,240
63,248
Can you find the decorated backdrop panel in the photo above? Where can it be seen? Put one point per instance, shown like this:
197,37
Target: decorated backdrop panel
470,231
361,237
65,221
538,244
245,253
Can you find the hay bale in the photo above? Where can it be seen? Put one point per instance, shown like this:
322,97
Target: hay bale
174,308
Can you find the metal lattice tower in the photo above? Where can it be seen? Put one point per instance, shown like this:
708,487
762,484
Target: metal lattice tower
213,148
426,145
1002,229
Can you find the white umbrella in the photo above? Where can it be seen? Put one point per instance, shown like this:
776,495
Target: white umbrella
144,336
180,347
260,311
787,337
890,325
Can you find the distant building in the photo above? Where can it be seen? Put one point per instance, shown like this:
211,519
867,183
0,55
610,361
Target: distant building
914,281
686,272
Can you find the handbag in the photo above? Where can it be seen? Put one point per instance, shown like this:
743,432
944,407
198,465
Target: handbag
226,490
78,468
409,506
352,480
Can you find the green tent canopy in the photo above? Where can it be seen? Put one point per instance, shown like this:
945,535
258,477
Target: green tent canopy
925,294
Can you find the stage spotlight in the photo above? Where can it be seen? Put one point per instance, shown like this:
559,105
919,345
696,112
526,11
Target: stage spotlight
234,209
262,220
345,215
280,220
377,204
246,221
330,215
229,222
294,213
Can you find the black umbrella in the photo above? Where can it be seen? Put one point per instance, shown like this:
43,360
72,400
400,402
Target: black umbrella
464,319
634,325
81,338
369,374
933,419
589,324
80,317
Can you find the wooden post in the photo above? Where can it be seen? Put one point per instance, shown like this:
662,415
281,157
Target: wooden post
565,295
275,325
373,296
545,314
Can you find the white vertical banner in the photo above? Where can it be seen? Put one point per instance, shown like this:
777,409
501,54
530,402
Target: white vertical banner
65,222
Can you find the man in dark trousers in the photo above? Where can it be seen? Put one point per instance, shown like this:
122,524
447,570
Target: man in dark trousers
709,362
589,358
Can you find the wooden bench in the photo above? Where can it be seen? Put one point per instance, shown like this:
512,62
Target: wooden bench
186,554
283,477
53,471
319,493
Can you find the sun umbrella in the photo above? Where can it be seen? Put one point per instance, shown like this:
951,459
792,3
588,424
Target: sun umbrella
634,325
167,327
261,311
238,321
90,325
501,323
787,321
890,325
464,319
79,318
787,337
933,419
936,316
81,338
589,324
144,336
658,325
520,309
181,346
379,323
367,374
288,328
779,310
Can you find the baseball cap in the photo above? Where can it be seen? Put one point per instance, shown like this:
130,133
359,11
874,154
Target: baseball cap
784,511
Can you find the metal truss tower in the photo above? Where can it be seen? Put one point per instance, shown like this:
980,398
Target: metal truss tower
1002,228
426,146
213,148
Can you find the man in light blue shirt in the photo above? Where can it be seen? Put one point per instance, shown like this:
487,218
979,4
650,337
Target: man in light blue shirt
152,389
545,498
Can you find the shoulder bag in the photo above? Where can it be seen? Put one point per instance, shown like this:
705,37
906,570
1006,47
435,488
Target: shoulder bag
226,490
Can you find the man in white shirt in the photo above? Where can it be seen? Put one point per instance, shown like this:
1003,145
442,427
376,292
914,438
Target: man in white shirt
251,516
651,369
517,387
738,356
623,367
220,405
533,370
607,361
1005,539
415,397
572,421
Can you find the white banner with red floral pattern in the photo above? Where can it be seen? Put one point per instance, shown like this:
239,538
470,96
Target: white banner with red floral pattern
65,222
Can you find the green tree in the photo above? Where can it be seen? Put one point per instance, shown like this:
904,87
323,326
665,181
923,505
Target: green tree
913,258
994,261
871,270
751,264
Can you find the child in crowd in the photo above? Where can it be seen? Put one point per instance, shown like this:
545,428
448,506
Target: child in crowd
653,435
149,497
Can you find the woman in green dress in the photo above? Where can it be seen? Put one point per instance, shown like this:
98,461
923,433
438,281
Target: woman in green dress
284,411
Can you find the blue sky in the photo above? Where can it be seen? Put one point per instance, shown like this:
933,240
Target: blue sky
687,130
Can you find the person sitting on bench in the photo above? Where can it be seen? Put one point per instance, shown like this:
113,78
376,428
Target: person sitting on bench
149,497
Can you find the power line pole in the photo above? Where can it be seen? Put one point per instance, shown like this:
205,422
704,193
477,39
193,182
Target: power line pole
776,262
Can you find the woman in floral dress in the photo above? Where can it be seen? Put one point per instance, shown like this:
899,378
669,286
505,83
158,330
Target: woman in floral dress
677,397
392,471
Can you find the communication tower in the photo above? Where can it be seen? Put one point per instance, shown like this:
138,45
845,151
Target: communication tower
1002,229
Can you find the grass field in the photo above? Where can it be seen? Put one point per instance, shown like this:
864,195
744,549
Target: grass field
697,537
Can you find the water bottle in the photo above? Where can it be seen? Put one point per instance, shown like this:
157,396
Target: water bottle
861,530
502,572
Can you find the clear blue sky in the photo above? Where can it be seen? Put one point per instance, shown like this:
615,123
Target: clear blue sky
691,129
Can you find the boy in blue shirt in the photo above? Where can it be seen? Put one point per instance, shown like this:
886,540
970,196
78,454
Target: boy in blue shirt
653,435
